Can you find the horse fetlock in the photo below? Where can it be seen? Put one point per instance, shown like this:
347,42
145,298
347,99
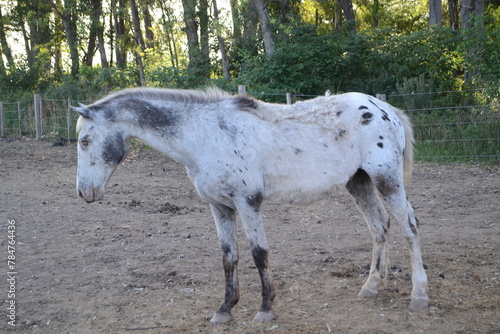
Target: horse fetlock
263,316
220,318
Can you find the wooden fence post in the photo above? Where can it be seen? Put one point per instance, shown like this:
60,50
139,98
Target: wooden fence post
288,98
2,132
38,116
69,126
381,97
242,90
19,118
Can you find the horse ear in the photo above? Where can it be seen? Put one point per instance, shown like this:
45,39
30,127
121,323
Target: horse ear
82,110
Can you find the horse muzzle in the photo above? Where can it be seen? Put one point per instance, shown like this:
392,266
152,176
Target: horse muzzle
91,194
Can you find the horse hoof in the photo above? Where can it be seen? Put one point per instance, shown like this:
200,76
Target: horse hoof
264,316
220,318
366,293
419,304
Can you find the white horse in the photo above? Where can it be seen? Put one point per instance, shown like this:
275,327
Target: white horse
239,152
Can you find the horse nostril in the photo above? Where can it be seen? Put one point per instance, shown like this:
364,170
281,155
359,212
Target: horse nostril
80,193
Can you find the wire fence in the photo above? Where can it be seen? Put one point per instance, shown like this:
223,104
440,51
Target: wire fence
449,126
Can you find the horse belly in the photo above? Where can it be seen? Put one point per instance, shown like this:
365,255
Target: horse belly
306,165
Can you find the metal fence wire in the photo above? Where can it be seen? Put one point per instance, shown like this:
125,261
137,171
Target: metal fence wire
449,126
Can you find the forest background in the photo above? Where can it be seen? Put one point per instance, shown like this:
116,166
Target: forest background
438,60
85,48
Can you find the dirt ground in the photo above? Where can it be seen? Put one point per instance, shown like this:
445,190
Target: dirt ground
146,258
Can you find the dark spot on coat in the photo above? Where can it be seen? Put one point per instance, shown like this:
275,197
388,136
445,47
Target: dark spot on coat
255,200
381,145
367,118
148,115
412,227
114,150
230,129
362,107
260,257
297,150
226,249
385,116
385,185
339,113
245,103
381,137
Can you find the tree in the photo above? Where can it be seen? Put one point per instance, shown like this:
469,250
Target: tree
222,45
168,27
435,10
69,15
5,48
347,9
260,6
471,12
98,27
119,12
199,63
453,11
139,41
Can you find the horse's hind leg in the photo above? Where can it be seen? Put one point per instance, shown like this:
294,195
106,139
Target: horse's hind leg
362,189
226,229
403,212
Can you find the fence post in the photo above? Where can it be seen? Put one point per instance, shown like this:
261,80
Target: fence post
19,118
242,90
69,120
288,98
38,116
381,97
2,132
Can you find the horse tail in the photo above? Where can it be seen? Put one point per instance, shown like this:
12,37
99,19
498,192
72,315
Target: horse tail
409,143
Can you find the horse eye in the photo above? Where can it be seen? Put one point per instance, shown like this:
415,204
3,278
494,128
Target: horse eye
85,142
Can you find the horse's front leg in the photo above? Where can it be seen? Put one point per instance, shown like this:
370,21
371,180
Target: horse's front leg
226,229
251,217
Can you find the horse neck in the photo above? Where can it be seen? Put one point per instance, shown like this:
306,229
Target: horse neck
174,146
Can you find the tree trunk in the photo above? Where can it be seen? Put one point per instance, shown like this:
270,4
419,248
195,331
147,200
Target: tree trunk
471,12
119,13
88,58
435,11
204,38
167,26
453,10
260,6
69,16
338,15
39,31
222,46
347,9
98,27
148,26
236,21
5,46
471,20
196,59
139,41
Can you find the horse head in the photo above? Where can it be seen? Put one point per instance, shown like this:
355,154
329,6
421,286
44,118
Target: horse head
101,148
